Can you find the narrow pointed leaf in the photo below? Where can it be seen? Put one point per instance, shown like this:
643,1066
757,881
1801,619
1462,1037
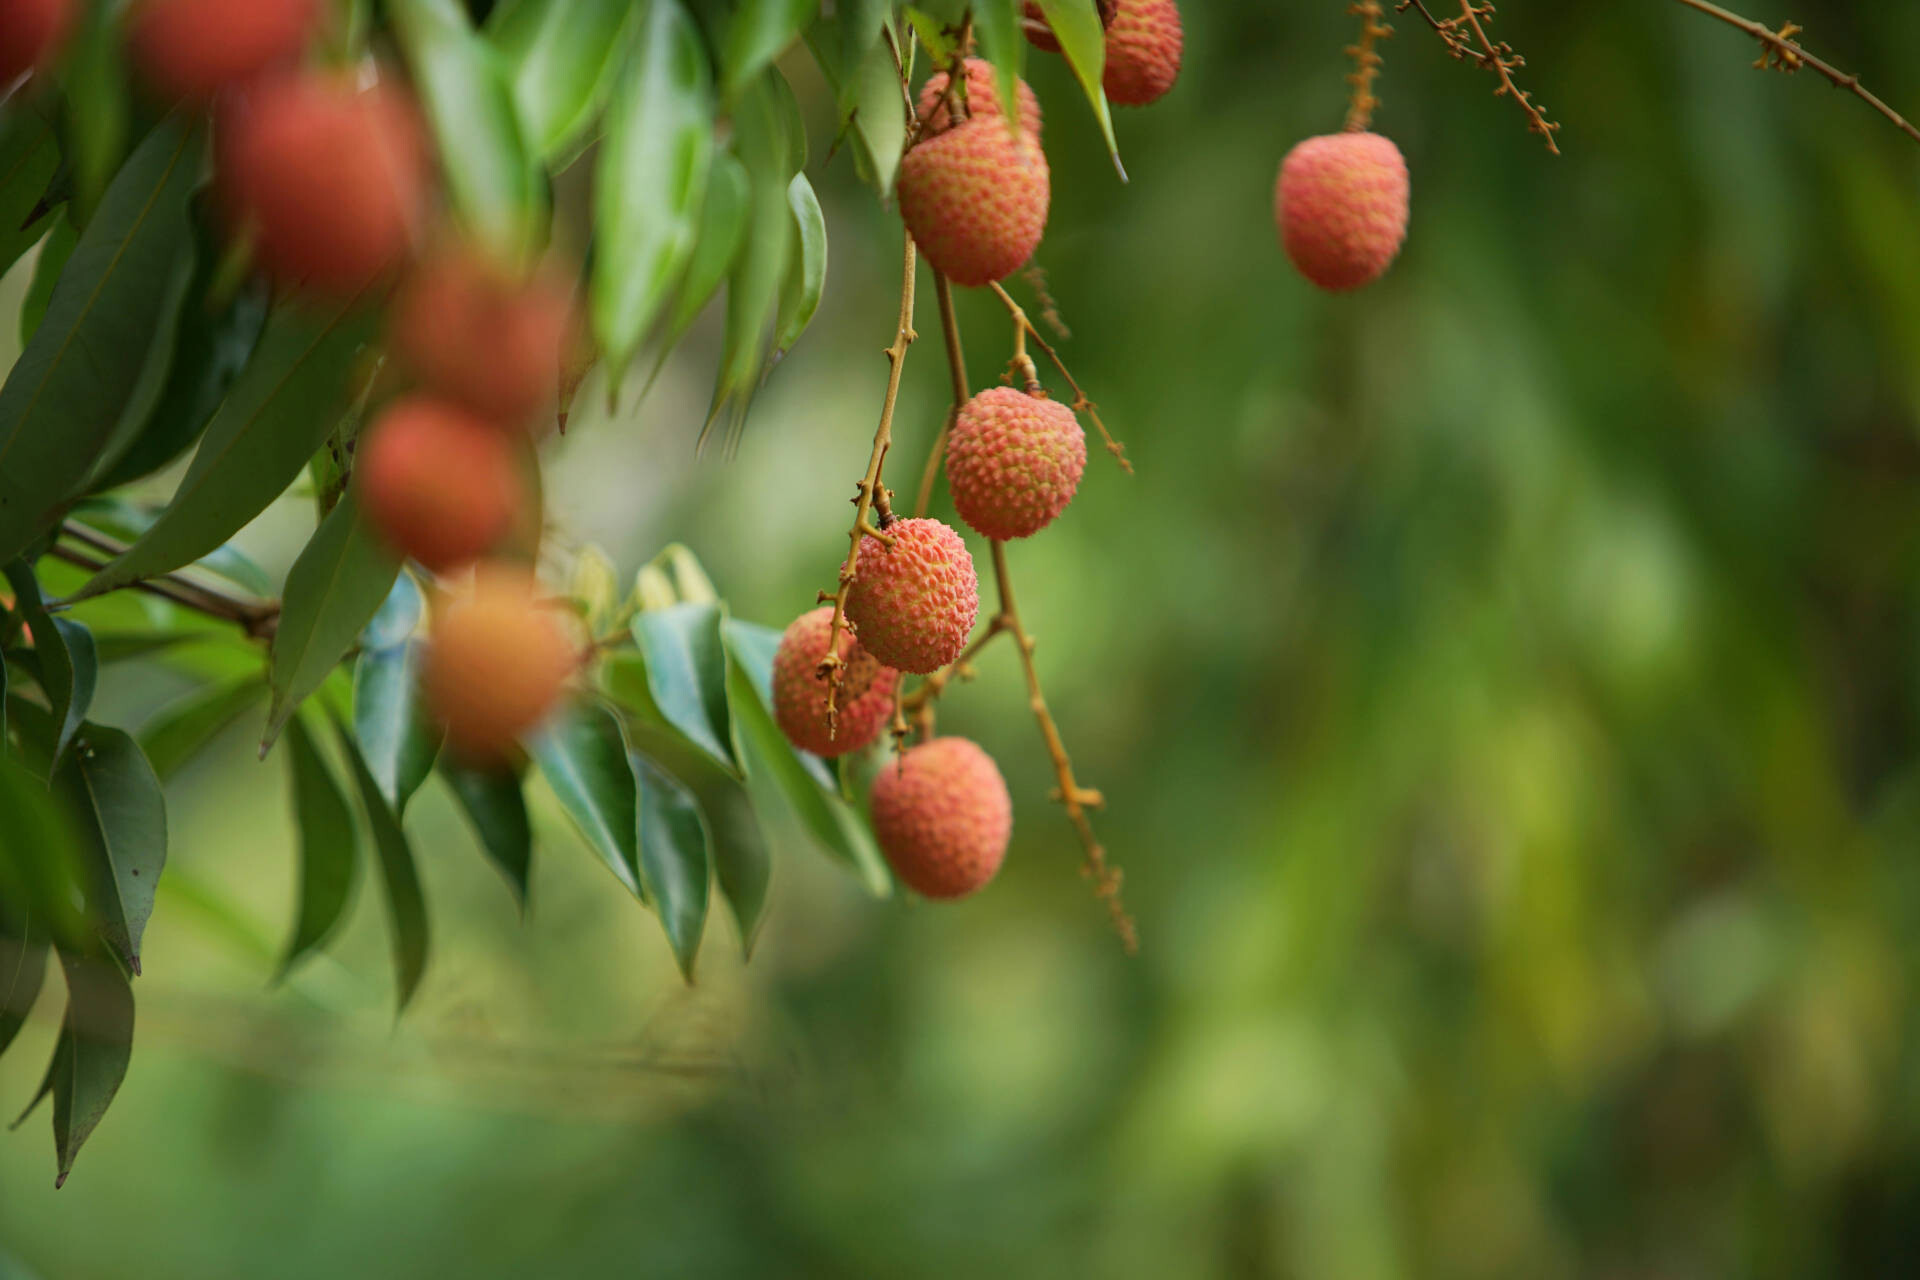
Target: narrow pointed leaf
29,155
119,518
723,220
686,666
675,856
121,821
758,32
497,809
807,273
329,848
560,56
40,870
1083,40
90,1058
23,968
398,739
583,756
742,864
68,664
182,729
399,878
398,618
55,250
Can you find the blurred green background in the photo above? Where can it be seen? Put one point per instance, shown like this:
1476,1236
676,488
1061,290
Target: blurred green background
1506,683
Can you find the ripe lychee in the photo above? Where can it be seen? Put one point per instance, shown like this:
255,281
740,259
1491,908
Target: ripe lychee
943,817
497,661
913,603
975,198
800,694
194,48
484,336
31,32
329,179
1014,461
983,98
438,483
1341,205
1144,46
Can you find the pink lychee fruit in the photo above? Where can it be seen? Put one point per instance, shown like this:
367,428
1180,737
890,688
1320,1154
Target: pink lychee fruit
863,704
983,98
943,817
1013,462
1145,42
1341,205
975,198
913,603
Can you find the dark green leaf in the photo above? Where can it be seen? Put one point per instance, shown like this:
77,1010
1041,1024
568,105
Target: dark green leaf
96,101
23,968
561,58
686,668
759,32
29,155
406,904
807,273
675,851
281,409
90,1058
39,856
1076,25
328,846
333,590
741,864
498,811
68,665
583,756
121,820
182,729
398,739
54,252
651,178
70,386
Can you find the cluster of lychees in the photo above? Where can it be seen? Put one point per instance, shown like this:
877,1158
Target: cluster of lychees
974,190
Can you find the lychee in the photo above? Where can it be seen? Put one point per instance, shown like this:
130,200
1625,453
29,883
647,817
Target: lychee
864,701
1341,205
31,32
1144,46
943,817
329,179
983,98
438,483
1014,461
497,661
975,198
194,48
913,603
482,335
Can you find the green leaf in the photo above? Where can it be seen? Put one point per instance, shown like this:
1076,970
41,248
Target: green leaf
90,1058
742,866
39,859
497,809
406,904
333,590
675,853
561,56
583,756
183,728
807,274
122,519
497,183
121,823
858,26
23,968
997,24
69,387
290,397
96,101
398,739
62,236
686,671
68,665
29,156
723,217
398,618
1076,25
880,120
328,846
651,178
759,32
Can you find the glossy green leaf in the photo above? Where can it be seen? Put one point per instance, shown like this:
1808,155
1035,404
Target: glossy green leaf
996,23
856,32
880,119
399,878
29,155
807,273
120,816
583,757
281,409
497,183
398,739
561,58
496,807
58,246
398,618
183,728
329,847
333,590
1083,40
686,672
69,387
651,178
675,855
758,32
90,1058
68,665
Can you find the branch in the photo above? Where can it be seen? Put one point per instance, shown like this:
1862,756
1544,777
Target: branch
1366,64
257,618
1779,51
1466,37
1081,404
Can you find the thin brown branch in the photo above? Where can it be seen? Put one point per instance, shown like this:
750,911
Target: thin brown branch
1779,51
1081,403
256,620
1457,44
1466,37
1366,63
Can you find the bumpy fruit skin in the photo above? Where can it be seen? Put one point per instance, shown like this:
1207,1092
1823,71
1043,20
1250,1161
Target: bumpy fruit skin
497,662
913,604
943,817
983,99
1144,44
195,48
31,32
1014,461
1341,205
330,180
483,336
800,695
975,199
438,483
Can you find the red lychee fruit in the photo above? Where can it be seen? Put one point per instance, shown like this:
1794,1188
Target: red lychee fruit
1013,462
913,603
943,817
497,662
983,98
330,180
195,48
1341,206
438,483
31,32
865,699
975,199
1144,46
486,337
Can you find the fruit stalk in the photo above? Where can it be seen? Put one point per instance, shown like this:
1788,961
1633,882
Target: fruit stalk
1081,404
1366,64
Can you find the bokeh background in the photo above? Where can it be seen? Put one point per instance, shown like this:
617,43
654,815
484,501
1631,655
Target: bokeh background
1506,683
